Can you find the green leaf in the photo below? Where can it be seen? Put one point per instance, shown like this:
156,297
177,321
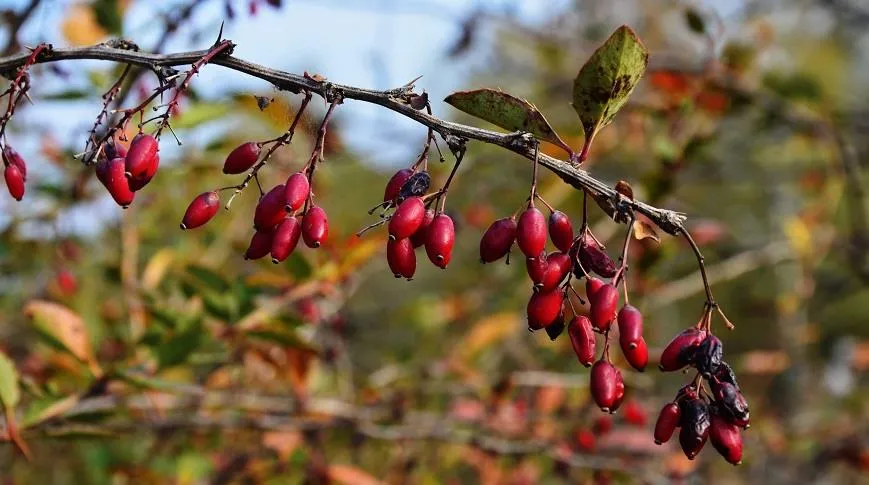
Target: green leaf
199,113
506,111
605,82
208,277
9,391
281,337
108,15
178,348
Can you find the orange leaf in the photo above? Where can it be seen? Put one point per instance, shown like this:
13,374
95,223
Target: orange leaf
350,475
80,26
644,230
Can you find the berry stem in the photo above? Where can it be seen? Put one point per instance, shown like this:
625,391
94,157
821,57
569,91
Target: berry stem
442,197
623,259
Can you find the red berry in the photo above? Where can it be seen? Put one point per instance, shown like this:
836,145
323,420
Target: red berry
418,238
726,438
242,158
536,268
585,440
67,282
634,413
260,244
201,210
604,303
401,258
407,219
557,267
680,348
531,232
668,420
560,231
14,181
269,211
582,339
496,242
592,284
142,160
620,391
111,174
12,157
393,187
604,385
114,150
637,356
315,227
285,239
441,235
603,425
630,326
296,191
544,308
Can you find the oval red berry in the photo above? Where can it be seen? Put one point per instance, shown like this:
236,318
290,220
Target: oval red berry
201,210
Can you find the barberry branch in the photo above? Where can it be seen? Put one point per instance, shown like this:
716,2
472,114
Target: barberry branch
396,100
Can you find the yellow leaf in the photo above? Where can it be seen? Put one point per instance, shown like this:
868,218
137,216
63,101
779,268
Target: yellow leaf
359,254
156,268
799,236
65,326
80,26
489,330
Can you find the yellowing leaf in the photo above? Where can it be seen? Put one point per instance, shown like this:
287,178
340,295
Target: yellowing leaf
80,27
799,236
66,327
9,390
607,79
487,331
506,111
644,230
156,268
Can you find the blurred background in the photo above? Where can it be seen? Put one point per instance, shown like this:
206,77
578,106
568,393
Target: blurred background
151,355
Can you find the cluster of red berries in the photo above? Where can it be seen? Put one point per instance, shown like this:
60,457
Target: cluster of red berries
415,223
123,172
551,274
717,414
15,172
283,215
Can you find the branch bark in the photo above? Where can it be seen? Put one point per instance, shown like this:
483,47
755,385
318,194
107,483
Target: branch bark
610,201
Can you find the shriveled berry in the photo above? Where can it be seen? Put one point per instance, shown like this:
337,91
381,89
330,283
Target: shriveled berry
496,242
630,326
13,157
593,257
708,355
418,238
544,308
14,181
260,244
582,339
269,210
531,232
731,403
634,413
142,161
604,303
668,420
604,385
679,352
695,423
401,257
415,186
592,284
726,438
560,231
315,227
556,329
296,191
638,356
441,235
393,187
285,239
242,158
201,210
111,174
724,373
407,219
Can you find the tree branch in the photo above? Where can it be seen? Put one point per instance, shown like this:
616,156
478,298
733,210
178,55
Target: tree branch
394,99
